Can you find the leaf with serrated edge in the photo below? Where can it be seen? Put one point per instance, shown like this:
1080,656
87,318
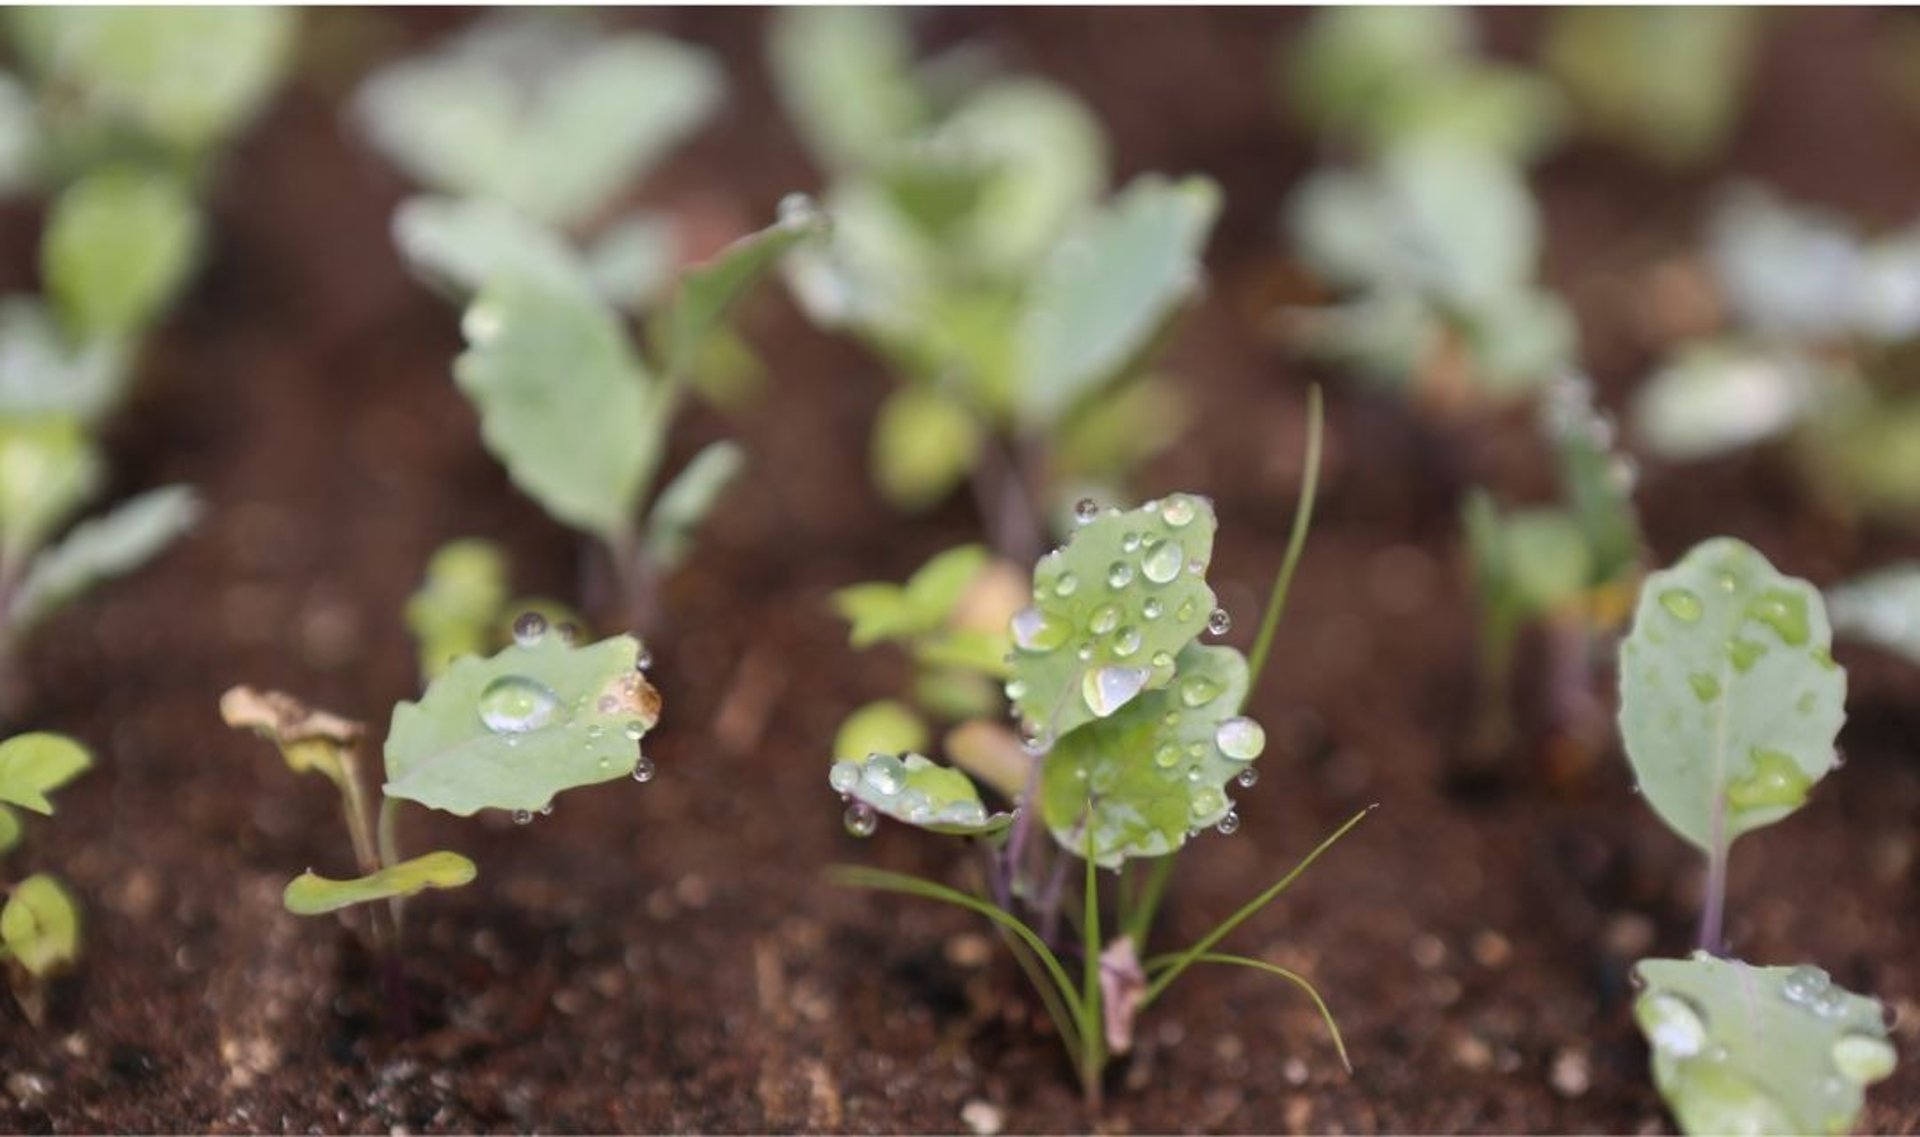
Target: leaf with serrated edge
1764,1050
312,895
1130,632
561,397
40,926
512,730
1729,698
32,765
138,530
1156,770
685,503
919,792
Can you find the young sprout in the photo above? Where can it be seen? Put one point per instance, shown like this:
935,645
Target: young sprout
1729,706
1136,733
463,607
509,732
39,921
977,252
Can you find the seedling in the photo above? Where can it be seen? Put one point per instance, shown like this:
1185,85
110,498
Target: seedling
1135,733
507,732
463,607
40,922
1569,568
1729,706
977,253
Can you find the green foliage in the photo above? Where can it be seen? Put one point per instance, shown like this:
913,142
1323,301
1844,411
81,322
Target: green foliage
922,607
512,730
312,895
1762,1050
457,606
40,922
550,116
34,765
118,249
909,788
883,727
44,373
40,927
48,467
134,532
1881,608
1729,698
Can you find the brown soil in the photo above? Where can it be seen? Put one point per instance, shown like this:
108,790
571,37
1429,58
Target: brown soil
668,957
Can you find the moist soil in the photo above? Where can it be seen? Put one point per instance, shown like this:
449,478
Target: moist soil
668,956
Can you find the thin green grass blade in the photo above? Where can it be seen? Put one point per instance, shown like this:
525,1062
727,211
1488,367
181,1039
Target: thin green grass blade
1296,544
1298,980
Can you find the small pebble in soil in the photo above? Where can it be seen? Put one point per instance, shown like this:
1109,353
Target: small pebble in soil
969,949
1295,1072
1428,951
1491,950
1299,1114
1571,1074
1471,1052
1628,935
27,1088
982,1117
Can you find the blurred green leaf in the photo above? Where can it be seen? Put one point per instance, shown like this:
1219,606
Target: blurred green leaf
1113,436
1716,395
684,504
34,765
925,604
312,895
954,695
10,830
1881,608
845,76
1048,162
136,531
883,727
48,467
118,249
512,730
44,373
19,137
40,926
456,608
632,261
923,445
919,792
708,291
1596,480
462,245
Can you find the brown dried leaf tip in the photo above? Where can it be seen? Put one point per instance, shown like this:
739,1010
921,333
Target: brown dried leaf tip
286,720
633,697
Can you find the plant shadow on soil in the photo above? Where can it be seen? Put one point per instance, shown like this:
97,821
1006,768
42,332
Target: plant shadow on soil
668,957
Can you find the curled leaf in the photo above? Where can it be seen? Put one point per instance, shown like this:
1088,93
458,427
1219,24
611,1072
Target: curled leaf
311,895
309,739
919,792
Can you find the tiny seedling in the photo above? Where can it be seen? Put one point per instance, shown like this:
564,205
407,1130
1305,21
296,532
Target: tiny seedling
506,732
463,606
40,922
1135,733
1569,568
1729,706
977,253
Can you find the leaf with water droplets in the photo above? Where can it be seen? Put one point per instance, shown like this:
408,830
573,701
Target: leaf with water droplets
34,765
310,894
1110,610
40,926
1717,759
511,730
1764,1050
136,531
1138,783
922,793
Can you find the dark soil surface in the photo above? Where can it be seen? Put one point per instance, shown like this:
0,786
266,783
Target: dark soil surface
668,956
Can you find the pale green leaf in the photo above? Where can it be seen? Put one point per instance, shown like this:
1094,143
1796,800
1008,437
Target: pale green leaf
709,291
1716,396
1107,290
34,765
561,397
1115,435
19,137
919,792
512,730
884,727
955,695
632,261
1348,60
845,77
1111,608
1048,162
922,606
1881,608
1548,562
40,926
118,249
1761,1050
1787,272
1729,700
924,443
1521,340
685,502
43,372
455,609
550,116
464,244
1140,781
1596,479
98,550
48,467
311,895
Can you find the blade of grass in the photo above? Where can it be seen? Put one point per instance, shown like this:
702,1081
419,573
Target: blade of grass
1056,1010
1333,1028
1296,544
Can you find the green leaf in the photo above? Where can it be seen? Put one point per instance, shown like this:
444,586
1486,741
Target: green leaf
1729,698
40,926
312,895
33,765
1596,479
1141,781
10,830
512,730
550,116
632,261
1115,435
464,244
710,290
1108,289
1548,563
1881,608
137,530
1762,1050
845,77
924,605
561,397
118,248
1716,396
188,76
687,500
921,793
1786,272
883,727
923,445
44,373
454,611
19,137
1127,592
48,466
1047,163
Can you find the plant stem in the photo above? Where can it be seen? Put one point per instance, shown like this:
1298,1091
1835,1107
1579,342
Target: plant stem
1006,489
1296,543
1713,916
1093,1044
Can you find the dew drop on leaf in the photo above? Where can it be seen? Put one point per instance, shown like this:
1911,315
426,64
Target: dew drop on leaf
1682,605
1162,562
514,704
1066,585
1218,622
522,817
1177,511
1119,574
1034,630
1126,641
1240,738
568,632
643,770
1085,510
1104,619
1248,778
1107,689
1152,608
643,661
1672,1024
861,819
844,776
528,627
1198,691
1229,825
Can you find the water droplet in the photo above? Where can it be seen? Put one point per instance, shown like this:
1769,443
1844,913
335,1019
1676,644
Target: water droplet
1152,608
798,211
643,770
1186,612
514,704
1218,622
1672,1024
528,628
1775,781
1177,511
522,817
1016,689
1166,755
1130,543
547,810
1126,641
884,774
1785,612
861,819
1162,659
1034,630
1119,574
1804,984
1198,690
1107,689
1229,825
1065,585
1706,687
633,729
844,776
1745,653
643,661
1207,801
1084,653
568,632
1240,738
1085,510
1104,619
1248,778
1862,1058
1682,604
1162,561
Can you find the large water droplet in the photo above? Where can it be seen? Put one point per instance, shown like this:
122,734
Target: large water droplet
798,211
1162,561
1218,622
1166,755
1682,604
1152,608
1240,738
1198,690
522,817
1066,584
861,819
844,777
643,770
633,730
1672,1023
1034,630
1177,511
1207,801
1126,641
1804,984
1863,1058
1774,781
1107,689
514,704
528,628
884,774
